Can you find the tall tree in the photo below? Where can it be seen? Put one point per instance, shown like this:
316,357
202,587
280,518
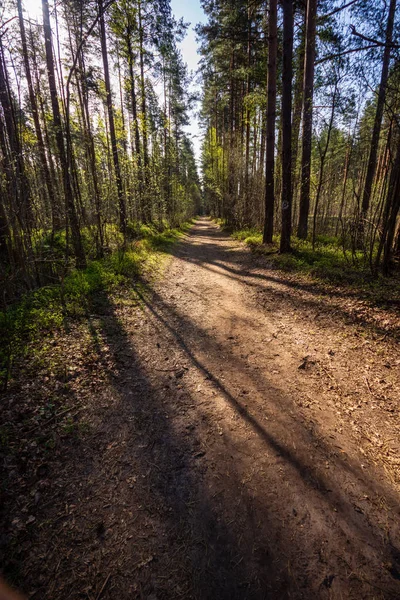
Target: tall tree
270,122
369,178
38,130
308,90
58,130
146,209
113,137
287,72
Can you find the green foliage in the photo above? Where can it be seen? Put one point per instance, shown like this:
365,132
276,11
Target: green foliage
327,263
251,237
46,309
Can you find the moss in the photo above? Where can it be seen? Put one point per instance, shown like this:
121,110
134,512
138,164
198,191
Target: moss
327,262
46,309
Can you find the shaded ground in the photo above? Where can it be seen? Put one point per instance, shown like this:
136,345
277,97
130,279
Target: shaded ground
233,434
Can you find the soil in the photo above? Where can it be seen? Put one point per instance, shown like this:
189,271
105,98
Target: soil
230,432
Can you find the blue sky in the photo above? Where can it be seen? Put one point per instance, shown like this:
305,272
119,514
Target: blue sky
191,12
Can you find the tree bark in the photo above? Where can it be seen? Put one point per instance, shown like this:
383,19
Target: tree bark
392,206
147,207
38,130
270,124
287,69
308,91
322,165
247,209
87,126
67,183
110,111
21,192
378,116
138,153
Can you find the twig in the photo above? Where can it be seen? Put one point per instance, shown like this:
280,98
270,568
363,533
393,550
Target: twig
103,587
374,585
59,414
369,387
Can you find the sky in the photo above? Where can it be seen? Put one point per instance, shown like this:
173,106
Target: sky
191,12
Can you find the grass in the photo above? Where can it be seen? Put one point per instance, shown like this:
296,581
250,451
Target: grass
47,308
327,263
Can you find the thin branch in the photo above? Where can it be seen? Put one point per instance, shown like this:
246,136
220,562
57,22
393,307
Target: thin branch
2,25
372,40
8,21
337,10
85,38
340,54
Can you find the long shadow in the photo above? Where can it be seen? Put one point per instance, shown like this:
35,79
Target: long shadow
203,230
305,303
209,561
228,258
181,547
218,563
161,524
196,337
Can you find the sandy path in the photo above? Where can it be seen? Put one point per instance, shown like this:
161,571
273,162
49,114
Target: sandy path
278,499
232,451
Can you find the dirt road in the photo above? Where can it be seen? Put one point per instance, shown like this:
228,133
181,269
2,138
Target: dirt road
245,446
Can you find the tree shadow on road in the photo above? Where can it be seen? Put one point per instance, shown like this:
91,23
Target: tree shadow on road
240,265
160,500
225,539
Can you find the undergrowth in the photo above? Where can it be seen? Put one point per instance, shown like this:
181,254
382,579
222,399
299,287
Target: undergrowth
46,309
327,263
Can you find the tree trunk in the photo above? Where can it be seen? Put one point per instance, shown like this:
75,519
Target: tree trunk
297,112
5,233
113,138
36,121
138,153
247,209
344,184
308,91
69,198
322,165
270,124
378,117
287,69
84,98
391,210
22,205
147,207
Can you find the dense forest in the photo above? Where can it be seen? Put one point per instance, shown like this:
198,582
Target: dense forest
94,99
301,115
199,299
300,111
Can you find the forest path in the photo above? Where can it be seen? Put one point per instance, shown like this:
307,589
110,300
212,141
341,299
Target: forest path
258,485
231,449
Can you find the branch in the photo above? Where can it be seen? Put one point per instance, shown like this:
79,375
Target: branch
340,54
8,21
2,25
372,40
389,109
336,10
85,38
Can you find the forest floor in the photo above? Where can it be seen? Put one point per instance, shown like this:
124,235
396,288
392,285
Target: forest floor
228,431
